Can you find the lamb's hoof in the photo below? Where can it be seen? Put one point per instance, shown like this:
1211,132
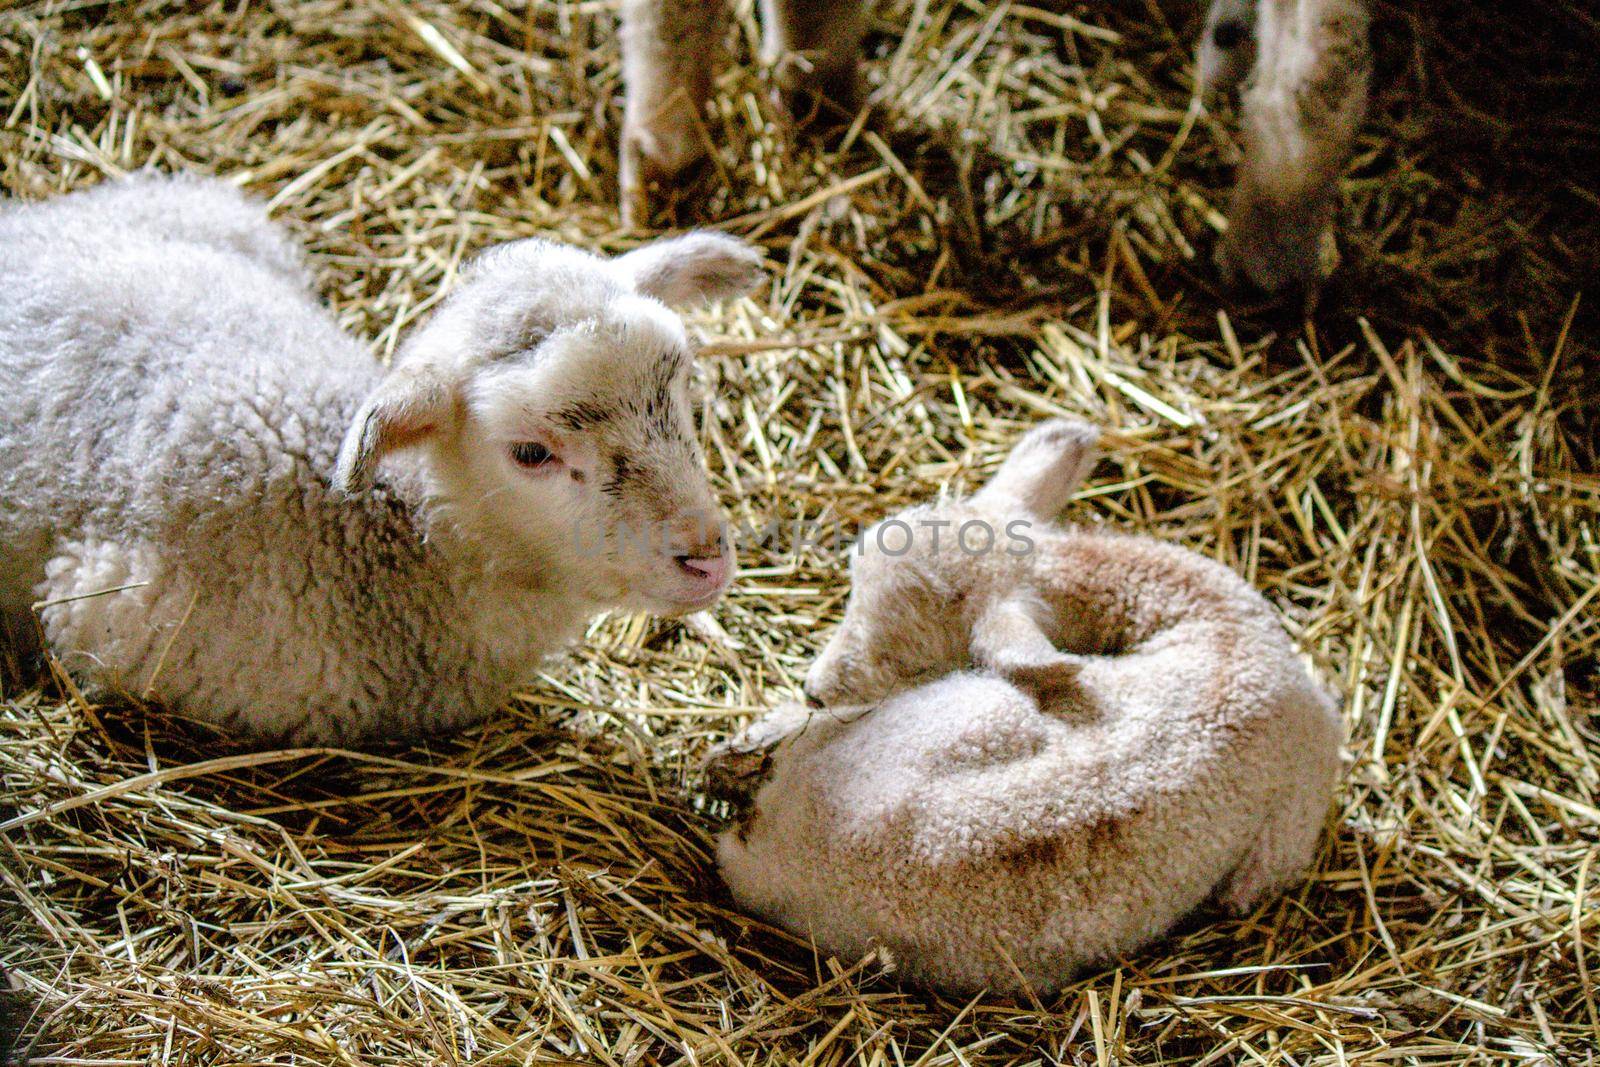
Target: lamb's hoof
735,770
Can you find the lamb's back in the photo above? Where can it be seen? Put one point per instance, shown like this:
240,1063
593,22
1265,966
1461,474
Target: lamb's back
151,378
957,817
175,402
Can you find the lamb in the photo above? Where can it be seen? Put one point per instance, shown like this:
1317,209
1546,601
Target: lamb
1034,748
220,501
1306,61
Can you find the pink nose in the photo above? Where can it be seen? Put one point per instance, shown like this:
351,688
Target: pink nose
714,570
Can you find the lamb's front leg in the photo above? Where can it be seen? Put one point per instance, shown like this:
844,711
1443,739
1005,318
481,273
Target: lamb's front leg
1008,639
669,50
736,769
815,46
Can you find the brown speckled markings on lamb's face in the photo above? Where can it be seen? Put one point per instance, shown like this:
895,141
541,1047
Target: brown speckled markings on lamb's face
658,405
622,473
582,416
643,460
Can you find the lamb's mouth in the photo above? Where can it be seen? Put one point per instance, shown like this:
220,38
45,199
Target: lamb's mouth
703,601
708,576
674,603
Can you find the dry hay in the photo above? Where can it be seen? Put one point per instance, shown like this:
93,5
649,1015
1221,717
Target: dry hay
1410,475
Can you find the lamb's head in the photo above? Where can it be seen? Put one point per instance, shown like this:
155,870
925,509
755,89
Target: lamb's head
900,624
548,403
942,587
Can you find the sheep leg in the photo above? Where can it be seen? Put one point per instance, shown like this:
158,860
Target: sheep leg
668,62
1302,109
736,769
815,47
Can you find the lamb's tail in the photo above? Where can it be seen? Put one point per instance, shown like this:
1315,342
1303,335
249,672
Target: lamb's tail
1302,109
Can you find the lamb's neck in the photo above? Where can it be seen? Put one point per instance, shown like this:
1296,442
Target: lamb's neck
514,590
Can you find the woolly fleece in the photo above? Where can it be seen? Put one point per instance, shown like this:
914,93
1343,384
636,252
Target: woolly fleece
989,834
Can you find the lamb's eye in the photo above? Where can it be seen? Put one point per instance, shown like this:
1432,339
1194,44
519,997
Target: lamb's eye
530,454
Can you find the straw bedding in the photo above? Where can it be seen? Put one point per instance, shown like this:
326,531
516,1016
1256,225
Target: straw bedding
1409,474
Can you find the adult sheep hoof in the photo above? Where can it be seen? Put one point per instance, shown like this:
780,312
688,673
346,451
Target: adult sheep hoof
1275,255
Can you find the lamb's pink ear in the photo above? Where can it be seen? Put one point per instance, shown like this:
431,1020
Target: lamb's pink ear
1044,469
413,403
695,268
1008,640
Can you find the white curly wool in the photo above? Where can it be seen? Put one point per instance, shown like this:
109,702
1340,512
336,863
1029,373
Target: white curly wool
1119,731
224,503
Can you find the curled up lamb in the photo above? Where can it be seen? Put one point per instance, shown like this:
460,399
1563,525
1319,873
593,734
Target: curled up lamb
1037,749
220,500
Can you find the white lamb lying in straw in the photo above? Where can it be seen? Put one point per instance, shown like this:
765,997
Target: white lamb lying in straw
1127,734
223,502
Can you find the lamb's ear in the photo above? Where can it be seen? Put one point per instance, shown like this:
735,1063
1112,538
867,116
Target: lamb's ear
695,268
1044,469
1008,640
412,403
